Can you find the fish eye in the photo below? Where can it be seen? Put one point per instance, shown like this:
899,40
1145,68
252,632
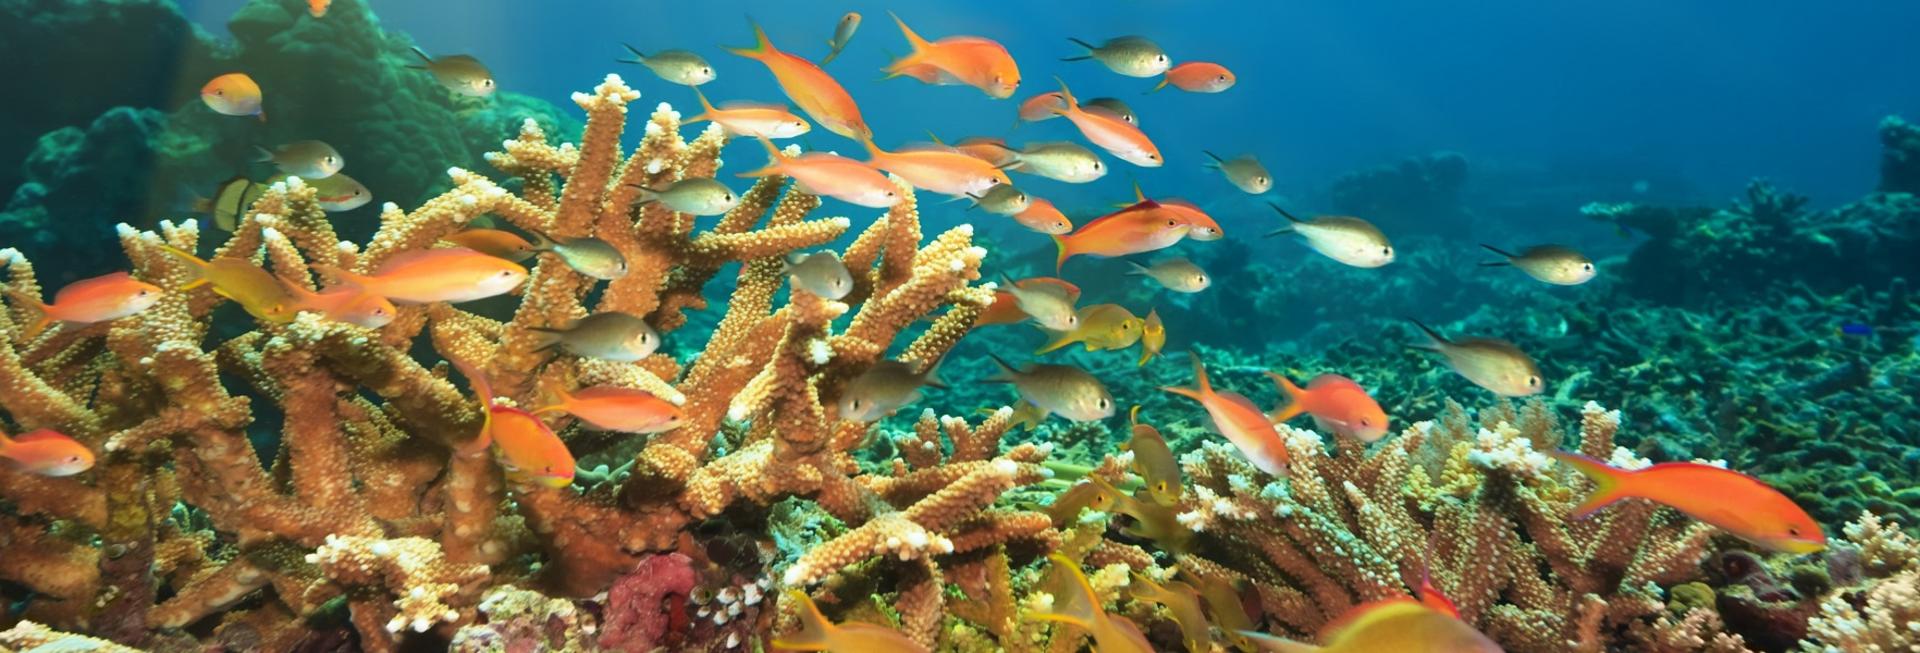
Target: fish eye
1586,267
1153,157
1387,251
75,459
487,83
1262,180
506,274
1171,223
1533,381
726,197
1161,58
854,404
890,194
1791,530
1102,403
219,91
705,70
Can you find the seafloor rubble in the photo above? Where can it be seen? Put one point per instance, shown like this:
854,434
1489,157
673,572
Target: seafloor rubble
367,528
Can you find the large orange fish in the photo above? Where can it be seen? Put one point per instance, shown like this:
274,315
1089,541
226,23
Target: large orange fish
612,408
452,274
1726,499
87,301
1113,134
1401,625
1243,423
523,445
944,171
1336,403
1141,227
748,119
970,60
45,452
1006,307
810,87
831,175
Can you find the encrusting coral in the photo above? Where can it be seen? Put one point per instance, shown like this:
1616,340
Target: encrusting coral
371,500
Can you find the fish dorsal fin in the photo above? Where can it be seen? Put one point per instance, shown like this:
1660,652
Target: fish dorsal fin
1080,606
1130,208
85,286
750,105
42,435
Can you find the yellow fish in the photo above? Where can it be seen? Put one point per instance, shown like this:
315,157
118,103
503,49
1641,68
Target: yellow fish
254,289
818,634
1402,625
1078,605
1153,461
460,73
1153,337
1101,327
1183,602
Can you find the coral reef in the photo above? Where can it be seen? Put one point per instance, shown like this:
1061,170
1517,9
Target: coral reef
1899,156
369,510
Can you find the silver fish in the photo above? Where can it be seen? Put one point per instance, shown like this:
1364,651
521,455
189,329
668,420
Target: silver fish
1346,239
612,336
697,196
1003,199
1244,172
842,33
884,389
305,159
677,66
589,256
820,273
1554,264
1490,363
460,73
1063,390
1133,56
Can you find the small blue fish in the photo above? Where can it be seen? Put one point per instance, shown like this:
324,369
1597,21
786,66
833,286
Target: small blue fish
1855,329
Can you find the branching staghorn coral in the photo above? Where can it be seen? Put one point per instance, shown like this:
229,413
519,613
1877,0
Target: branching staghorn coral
371,499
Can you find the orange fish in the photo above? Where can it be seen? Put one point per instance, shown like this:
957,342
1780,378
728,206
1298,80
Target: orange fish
749,119
818,634
1198,77
344,303
1141,227
1723,498
1006,308
943,171
810,87
45,452
452,274
524,446
1402,625
493,242
1336,403
1235,417
1204,226
1113,134
233,94
1078,605
970,60
1044,106
318,8
1042,216
611,408
831,175
88,301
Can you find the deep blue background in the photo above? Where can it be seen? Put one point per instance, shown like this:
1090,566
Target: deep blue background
1710,92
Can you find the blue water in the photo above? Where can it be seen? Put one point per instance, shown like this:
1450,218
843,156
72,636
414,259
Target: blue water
1695,97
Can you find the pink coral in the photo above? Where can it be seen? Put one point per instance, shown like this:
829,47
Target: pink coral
648,602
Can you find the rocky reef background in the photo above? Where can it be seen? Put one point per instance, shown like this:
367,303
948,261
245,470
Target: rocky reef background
119,133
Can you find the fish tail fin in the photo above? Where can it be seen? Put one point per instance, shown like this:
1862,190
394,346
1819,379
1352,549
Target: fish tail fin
831,54
1494,264
1609,484
1434,339
866,141
422,54
1216,159
557,396
1059,339
262,154
774,157
914,40
41,320
1083,57
1079,609
1066,252
199,266
762,46
1202,387
1293,394
1283,213
1138,194
1066,95
1145,355
816,633
1496,250
546,338
1157,87
1277,644
1089,46
638,56
1136,269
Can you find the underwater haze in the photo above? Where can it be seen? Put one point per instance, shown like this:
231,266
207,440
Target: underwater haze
395,325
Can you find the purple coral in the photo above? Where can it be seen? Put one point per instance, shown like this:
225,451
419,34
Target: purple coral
648,603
